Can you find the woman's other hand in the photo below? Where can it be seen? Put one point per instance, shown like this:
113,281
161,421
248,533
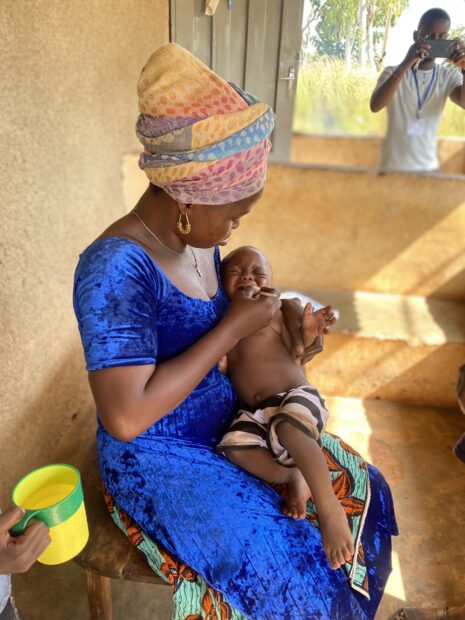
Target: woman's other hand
248,314
306,327
18,554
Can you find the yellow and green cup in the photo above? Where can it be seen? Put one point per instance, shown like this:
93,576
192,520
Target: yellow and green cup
53,494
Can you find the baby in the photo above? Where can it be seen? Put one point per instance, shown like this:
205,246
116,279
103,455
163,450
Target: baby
277,438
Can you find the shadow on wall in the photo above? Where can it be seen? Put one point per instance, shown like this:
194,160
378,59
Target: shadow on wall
429,381
455,283
452,155
444,292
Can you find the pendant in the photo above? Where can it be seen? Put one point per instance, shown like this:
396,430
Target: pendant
197,270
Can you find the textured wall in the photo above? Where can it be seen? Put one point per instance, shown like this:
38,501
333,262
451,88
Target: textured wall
365,151
68,107
348,230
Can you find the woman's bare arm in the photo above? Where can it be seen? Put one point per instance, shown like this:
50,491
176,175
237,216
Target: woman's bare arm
130,399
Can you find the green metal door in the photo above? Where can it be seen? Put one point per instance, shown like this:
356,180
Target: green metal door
254,43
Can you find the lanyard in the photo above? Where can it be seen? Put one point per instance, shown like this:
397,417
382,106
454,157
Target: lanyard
428,90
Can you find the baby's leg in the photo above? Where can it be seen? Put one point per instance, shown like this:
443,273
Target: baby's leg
309,458
260,463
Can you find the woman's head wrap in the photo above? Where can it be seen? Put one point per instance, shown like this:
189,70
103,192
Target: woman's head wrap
205,140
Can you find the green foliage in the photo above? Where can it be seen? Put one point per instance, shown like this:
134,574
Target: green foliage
331,101
458,32
355,23
327,42
335,20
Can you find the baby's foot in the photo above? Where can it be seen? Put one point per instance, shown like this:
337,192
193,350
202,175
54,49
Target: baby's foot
336,534
295,495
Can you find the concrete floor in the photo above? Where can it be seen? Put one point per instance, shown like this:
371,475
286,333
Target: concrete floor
413,448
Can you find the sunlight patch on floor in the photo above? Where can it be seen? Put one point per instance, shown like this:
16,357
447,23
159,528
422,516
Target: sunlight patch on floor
395,584
348,420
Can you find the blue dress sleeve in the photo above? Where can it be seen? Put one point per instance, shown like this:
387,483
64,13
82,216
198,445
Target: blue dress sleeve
117,291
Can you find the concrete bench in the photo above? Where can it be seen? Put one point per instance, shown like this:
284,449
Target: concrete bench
108,554
401,348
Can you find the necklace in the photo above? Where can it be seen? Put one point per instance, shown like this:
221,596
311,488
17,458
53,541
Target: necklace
194,264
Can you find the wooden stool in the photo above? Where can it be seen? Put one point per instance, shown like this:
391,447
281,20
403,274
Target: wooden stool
108,554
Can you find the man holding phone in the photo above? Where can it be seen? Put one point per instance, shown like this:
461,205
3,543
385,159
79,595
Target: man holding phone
415,93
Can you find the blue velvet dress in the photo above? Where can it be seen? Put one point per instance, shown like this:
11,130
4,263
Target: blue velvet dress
219,520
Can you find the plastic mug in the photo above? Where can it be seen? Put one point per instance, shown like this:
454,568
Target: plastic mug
53,494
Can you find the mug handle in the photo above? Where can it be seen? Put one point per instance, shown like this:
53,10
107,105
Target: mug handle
18,528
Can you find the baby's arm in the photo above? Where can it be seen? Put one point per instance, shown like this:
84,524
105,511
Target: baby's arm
279,325
313,326
286,337
293,318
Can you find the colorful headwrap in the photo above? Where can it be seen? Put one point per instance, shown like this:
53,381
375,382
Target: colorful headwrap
205,140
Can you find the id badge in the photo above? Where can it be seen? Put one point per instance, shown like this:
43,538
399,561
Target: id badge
416,127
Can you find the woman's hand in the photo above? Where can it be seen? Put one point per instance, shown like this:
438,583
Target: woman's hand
130,399
18,554
246,314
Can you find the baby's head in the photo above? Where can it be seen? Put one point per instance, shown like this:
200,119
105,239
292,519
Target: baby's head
244,271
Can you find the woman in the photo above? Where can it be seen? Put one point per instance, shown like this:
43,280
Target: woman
154,322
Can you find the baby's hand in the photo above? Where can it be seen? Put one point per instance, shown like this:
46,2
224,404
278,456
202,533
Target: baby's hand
316,323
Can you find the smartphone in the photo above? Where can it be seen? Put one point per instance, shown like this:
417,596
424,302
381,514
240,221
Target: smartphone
441,48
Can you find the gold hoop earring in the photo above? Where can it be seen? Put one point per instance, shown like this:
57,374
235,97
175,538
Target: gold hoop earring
184,229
